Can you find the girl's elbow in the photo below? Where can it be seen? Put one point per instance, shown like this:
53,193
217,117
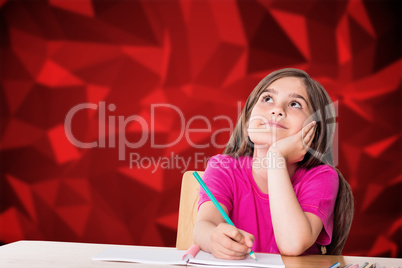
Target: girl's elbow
293,249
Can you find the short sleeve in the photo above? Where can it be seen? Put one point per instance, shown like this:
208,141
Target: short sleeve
217,177
318,196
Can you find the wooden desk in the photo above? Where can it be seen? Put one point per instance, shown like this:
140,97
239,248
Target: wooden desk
45,254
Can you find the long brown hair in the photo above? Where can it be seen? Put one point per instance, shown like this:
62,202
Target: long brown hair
320,151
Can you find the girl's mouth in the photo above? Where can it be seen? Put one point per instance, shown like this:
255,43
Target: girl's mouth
274,124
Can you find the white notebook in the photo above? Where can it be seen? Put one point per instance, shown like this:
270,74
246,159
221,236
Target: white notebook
157,255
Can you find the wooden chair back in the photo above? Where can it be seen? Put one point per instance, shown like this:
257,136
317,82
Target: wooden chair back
187,210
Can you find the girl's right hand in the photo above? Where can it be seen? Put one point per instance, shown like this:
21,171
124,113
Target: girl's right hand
294,147
228,242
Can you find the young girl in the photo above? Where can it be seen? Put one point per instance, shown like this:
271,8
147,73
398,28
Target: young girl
276,179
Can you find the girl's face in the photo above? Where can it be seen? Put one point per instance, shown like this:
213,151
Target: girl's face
282,110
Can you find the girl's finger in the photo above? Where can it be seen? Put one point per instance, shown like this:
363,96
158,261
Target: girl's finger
308,128
308,144
233,240
309,137
229,253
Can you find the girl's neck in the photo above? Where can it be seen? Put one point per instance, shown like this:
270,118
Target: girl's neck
261,164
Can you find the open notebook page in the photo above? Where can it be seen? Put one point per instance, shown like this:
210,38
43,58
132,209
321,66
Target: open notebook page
157,255
142,255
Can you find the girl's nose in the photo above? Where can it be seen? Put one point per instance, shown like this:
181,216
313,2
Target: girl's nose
278,111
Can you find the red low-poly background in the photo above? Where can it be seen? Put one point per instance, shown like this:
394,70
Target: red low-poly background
204,58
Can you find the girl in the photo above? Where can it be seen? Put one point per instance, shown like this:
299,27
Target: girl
276,179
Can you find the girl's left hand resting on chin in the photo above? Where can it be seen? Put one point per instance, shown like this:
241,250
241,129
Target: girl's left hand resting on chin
294,147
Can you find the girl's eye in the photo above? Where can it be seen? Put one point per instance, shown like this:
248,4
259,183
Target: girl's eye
295,104
267,99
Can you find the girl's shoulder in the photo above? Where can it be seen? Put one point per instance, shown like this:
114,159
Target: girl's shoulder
324,168
323,171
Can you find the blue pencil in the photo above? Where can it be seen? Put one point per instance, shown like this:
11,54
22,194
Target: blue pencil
217,205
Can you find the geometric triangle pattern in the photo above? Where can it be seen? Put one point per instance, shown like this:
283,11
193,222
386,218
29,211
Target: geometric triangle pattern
104,105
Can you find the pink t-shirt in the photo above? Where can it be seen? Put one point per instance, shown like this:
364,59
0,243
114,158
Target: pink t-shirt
232,183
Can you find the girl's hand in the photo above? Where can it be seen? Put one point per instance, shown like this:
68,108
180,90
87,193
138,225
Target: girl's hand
228,242
294,147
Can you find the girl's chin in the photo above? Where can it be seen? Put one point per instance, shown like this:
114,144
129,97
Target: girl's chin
265,140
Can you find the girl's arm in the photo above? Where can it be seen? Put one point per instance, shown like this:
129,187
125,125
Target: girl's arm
295,230
214,235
